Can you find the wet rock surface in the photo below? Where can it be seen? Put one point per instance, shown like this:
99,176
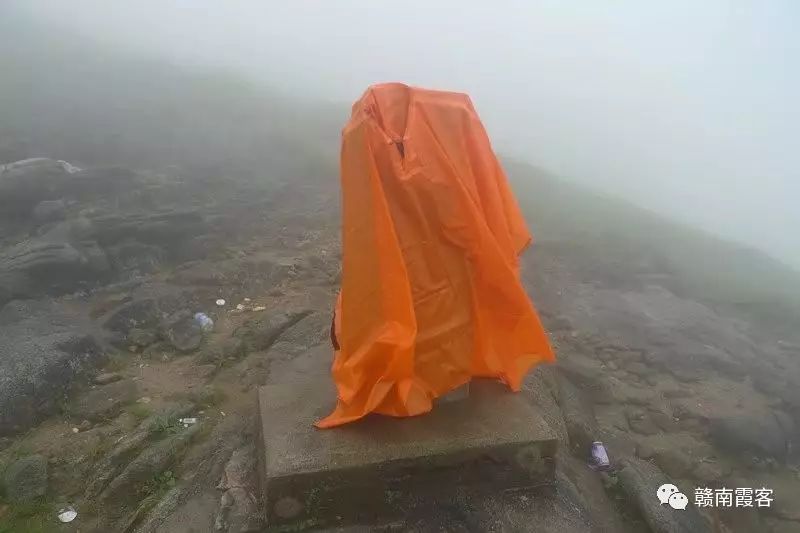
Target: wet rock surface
746,434
238,508
104,401
183,332
639,480
25,480
43,349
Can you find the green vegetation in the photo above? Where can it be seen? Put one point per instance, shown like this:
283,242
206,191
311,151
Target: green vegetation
165,424
159,484
99,450
36,517
139,411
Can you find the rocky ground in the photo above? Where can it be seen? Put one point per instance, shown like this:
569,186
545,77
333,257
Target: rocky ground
101,362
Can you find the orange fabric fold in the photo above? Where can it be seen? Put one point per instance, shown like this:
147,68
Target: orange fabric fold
431,233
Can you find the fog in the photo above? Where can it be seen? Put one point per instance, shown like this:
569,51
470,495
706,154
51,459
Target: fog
686,108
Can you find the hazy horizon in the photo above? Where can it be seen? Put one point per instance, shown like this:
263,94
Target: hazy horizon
686,109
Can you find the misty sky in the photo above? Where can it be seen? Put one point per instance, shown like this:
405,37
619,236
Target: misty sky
689,108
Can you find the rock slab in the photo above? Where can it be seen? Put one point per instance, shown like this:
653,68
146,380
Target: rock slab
25,479
43,348
639,481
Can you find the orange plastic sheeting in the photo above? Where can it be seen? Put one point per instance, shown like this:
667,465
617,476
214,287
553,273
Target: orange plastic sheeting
431,294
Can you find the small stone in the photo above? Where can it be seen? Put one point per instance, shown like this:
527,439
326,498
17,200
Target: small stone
185,334
142,338
674,462
640,422
638,369
238,512
645,451
238,469
106,378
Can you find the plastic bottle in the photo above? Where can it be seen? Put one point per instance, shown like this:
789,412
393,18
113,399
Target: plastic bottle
206,324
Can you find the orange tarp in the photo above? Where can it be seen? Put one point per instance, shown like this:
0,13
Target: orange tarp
431,294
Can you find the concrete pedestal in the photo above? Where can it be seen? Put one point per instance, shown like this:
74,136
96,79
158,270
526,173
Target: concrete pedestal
368,471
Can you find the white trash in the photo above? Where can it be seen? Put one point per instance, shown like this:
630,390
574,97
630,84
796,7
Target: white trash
599,457
221,302
188,421
67,514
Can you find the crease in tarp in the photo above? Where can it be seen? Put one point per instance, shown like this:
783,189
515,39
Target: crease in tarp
431,294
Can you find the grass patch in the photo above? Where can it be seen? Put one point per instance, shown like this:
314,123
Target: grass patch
99,450
139,411
35,517
165,424
153,491
16,451
159,484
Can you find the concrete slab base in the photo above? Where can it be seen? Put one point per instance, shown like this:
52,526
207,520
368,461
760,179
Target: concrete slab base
369,471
